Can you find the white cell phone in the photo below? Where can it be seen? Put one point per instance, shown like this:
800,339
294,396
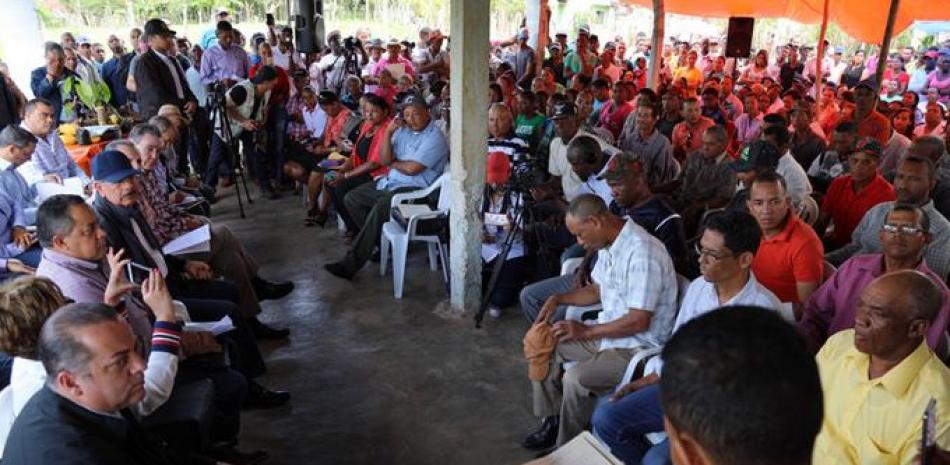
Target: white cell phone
136,273
496,219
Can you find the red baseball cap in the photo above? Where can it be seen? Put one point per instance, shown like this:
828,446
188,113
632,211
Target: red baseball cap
499,168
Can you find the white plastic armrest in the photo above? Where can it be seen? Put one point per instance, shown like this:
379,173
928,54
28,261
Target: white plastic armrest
570,265
638,356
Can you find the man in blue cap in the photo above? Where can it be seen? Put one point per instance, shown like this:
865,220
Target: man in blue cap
117,187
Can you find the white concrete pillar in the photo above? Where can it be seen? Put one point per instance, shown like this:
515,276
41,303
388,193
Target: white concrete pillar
22,42
469,129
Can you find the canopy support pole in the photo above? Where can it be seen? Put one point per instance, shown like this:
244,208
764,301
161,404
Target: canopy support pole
820,58
469,94
656,47
886,43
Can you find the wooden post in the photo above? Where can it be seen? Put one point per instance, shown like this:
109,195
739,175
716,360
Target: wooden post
886,43
469,129
656,47
820,58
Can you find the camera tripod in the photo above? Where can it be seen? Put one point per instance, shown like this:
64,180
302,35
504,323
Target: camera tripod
220,120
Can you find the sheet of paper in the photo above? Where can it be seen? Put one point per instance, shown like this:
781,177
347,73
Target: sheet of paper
214,327
45,190
408,210
398,70
195,241
584,449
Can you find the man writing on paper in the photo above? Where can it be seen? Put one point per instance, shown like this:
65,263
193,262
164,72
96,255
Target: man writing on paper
51,162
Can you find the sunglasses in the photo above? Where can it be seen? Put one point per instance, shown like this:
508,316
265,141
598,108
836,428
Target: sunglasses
902,230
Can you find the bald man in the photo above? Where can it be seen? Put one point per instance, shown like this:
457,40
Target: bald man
635,283
879,377
501,134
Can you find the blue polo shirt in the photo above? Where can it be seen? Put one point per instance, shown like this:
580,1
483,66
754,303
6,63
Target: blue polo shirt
427,147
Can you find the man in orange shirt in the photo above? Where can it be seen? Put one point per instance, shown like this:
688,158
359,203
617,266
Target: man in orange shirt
688,134
690,72
870,122
850,196
790,258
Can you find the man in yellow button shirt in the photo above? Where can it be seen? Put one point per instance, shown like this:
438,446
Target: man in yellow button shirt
878,378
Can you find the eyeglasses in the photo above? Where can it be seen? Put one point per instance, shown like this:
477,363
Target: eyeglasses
714,256
902,230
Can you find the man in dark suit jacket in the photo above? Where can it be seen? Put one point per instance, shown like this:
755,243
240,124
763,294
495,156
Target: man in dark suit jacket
159,78
82,415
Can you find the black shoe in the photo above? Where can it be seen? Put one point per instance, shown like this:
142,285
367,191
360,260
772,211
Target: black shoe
271,290
544,437
230,454
262,331
339,270
259,397
267,190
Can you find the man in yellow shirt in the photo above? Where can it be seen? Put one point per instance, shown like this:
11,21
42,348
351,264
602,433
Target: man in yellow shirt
878,378
692,74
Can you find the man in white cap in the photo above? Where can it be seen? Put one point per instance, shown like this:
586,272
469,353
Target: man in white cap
523,60
209,37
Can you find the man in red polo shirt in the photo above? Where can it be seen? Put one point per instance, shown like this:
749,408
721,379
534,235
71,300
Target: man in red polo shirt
790,258
870,122
850,196
688,134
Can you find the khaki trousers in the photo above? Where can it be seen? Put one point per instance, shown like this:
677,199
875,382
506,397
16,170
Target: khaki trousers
596,373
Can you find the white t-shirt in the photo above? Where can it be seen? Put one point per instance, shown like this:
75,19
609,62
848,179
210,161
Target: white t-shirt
559,166
795,178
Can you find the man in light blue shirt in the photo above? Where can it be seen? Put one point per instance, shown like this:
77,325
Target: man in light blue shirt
51,162
224,61
12,183
209,37
416,152
18,250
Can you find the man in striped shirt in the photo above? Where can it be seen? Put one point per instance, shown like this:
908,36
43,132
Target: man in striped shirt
501,136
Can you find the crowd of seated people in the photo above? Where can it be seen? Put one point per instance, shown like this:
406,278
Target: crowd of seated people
813,207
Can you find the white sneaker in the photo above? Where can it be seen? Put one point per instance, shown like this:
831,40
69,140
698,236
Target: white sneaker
494,312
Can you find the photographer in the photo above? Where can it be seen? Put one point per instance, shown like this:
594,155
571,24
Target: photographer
245,104
500,209
334,66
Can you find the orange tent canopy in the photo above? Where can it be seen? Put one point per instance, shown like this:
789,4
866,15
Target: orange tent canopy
862,19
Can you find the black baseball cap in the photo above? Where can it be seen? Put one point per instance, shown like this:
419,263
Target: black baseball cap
758,155
326,97
157,27
563,110
264,74
412,98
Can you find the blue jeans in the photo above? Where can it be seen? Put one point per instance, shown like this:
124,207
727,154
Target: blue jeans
219,156
622,424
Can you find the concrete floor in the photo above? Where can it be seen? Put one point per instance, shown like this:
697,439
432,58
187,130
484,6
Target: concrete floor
377,380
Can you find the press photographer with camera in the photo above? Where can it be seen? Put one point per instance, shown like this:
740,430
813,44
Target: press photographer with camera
341,61
245,105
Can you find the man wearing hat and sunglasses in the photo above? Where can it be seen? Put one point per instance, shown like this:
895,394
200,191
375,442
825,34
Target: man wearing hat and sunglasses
159,77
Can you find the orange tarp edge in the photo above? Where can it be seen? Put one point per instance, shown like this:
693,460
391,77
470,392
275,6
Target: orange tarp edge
863,20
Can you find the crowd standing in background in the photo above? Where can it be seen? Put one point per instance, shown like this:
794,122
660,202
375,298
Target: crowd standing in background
748,183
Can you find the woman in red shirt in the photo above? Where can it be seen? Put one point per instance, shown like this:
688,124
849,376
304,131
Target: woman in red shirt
364,165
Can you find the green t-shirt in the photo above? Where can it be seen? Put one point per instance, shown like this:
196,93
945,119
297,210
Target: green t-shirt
573,61
529,129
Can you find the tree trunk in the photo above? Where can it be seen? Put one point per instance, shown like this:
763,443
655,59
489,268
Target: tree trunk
656,52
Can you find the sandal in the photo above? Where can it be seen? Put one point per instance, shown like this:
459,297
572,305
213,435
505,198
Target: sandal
316,218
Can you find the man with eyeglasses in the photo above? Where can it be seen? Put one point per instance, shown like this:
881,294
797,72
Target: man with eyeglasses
915,179
850,196
904,235
789,262
726,251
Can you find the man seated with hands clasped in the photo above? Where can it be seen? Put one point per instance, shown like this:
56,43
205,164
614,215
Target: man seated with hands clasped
635,282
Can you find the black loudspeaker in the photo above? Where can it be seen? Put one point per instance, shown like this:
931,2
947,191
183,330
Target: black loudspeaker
309,31
739,37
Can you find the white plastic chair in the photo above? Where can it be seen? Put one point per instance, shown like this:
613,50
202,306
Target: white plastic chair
395,236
